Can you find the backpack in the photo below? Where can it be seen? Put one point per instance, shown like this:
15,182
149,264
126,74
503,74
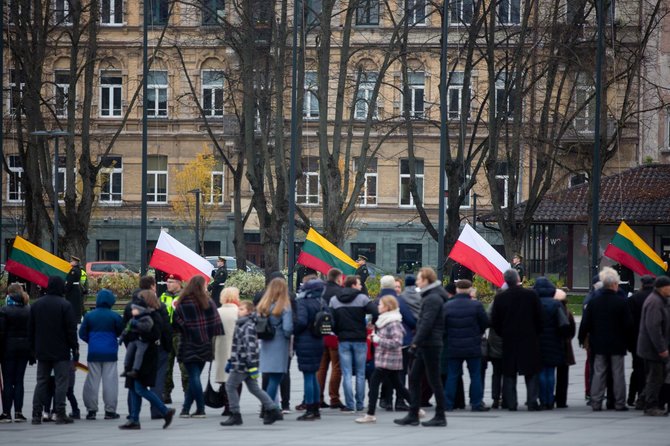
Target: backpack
264,328
323,322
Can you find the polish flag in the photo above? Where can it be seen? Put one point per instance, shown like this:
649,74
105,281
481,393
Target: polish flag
472,251
173,257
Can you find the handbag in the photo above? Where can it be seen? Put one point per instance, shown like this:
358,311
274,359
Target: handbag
213,398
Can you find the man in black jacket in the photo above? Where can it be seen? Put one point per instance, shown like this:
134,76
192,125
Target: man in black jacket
427,347
53,338
608,325
220,275
330,354
637,380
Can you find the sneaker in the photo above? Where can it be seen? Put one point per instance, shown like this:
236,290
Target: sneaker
199,414
366,419
111,415
184,414
5,418
19,418
286,411
91,415
345,409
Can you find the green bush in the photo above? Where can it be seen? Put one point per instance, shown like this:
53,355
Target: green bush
485,291
122,285
249,283
373,287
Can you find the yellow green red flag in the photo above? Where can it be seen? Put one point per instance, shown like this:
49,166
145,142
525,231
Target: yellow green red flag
34,264
321,255
631,251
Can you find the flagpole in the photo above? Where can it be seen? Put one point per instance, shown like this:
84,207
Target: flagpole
143,206
443,141
595,187
294,147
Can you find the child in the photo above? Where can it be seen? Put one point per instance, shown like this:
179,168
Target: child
243,367
140,324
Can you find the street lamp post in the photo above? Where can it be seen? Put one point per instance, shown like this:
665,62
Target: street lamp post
54,134
197,193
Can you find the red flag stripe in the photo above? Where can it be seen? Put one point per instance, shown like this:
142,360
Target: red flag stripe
313,262
172,264
474,260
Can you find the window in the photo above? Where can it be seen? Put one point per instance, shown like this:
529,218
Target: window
110,93
455,94
574,11
111,12
466,200
61,179
416,10
505,95
366,88
367,12
409,257
307,191
369,250
157,176
62,12
157,90
417,86
313,10
368,194
509,12
462,12
111,179
213,12
577,179
215,195
406,198
586,108
159,12
107,250
15,192
62,81
212,92
502,182
16,86
310,108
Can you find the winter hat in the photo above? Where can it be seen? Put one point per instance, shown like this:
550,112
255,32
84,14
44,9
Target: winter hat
647,280
662,281
56,286
410,280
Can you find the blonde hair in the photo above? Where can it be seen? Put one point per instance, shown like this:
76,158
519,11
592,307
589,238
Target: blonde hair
230,295
277,294
390,302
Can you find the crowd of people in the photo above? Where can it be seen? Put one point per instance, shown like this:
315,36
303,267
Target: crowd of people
408,345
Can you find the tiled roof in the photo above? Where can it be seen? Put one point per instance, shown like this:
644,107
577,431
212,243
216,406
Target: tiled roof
640,195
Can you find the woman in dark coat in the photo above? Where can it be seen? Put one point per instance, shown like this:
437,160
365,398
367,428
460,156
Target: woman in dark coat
552,348
563,370
14,351
138,388
308,347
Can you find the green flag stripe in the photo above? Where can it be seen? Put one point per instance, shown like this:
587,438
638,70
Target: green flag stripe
317,251
626,245
31,262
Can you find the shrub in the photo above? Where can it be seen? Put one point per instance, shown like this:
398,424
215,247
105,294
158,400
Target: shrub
249,283
122,285
485,291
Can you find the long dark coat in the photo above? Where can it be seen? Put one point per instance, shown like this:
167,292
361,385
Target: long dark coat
517,318
308,348
147,373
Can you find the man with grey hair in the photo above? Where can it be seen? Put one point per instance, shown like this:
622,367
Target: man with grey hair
517,318
607,328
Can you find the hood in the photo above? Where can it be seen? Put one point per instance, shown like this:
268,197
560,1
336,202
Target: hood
56,286
348,295
105,299
312,289
544,288
436,288
387,292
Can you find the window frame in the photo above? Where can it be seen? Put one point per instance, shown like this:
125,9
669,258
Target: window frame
110,94
309,174
501,87
214,16
455,115
156,89
113,171
155,175
413,88
365,199
420,179
456,15
15,177
59,173
212,111
156,14
401,247
310,97
364,93
61,15
61,93
583,122
112,13
12,103
413,10
365,13
217,172
467,202
500,176
509,19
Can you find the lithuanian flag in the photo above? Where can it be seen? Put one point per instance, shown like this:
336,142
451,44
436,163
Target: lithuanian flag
321,255
34,264
631,251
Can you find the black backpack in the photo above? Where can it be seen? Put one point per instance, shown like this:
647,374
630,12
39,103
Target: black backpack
323,322
264,328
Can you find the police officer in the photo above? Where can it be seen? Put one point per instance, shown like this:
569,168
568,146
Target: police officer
220,275
362,272
518,266
169,298
73,291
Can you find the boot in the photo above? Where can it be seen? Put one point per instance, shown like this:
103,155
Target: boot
317,412
61,418
409,420
272,415
235,419
436,421
310,413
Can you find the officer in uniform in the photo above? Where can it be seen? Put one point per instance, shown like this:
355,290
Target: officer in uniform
169,298
460,272
220,275
362,272
73,288
518,266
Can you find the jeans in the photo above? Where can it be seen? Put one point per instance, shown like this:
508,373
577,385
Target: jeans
135,394
547,378
41,395
353,354
455,371
311,388
392,378
194,391
13,371
235,379
274,381
426,362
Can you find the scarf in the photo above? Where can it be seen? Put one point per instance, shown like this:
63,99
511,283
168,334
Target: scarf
388,317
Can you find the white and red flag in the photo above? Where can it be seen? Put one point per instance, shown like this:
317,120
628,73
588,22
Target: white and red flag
173,257
473,252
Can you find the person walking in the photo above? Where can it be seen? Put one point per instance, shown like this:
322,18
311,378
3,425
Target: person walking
517,319
349,311
274,354
219,277
330,349
228,312
53,338
465,323
637,376
427,346
198,323
607,324
100,330
309,344
15,352
652,344
138,387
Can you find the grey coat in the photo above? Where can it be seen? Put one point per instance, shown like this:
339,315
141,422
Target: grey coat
654,327
275,352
